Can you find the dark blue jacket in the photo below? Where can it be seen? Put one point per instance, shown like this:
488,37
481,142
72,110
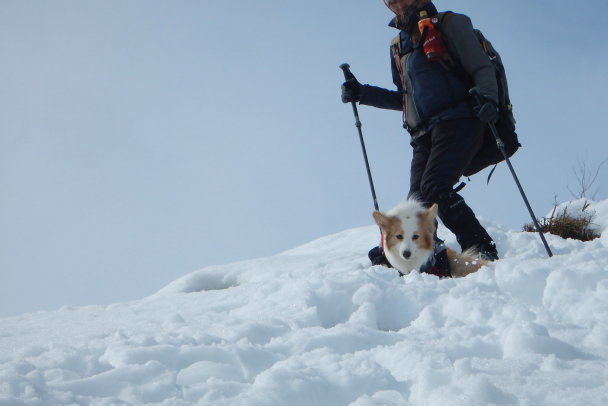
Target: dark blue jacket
429,92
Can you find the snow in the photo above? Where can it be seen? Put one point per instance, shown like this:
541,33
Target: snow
316,325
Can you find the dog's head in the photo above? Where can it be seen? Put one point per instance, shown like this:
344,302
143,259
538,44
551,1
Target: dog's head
407,232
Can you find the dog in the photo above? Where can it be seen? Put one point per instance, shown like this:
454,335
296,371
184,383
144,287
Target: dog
407,238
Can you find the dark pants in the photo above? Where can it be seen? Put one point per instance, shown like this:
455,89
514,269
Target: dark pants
439,160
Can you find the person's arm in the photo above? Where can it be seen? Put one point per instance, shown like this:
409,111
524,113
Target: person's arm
381,98
384,98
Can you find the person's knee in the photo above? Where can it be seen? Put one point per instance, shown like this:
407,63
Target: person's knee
433,192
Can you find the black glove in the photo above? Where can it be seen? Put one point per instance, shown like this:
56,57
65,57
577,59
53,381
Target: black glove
351,91
487,112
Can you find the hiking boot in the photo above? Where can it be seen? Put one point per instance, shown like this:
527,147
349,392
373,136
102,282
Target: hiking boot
488,251
377,257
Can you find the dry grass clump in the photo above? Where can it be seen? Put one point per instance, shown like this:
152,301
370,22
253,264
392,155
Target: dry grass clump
566,225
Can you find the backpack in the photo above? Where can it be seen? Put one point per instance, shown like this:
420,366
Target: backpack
490,154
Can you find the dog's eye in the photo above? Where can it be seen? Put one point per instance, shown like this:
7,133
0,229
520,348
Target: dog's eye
415,237
399,237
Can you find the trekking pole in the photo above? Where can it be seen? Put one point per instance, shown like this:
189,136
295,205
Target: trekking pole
501,146
347,76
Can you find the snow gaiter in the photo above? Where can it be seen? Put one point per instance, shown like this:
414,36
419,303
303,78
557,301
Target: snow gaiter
458,217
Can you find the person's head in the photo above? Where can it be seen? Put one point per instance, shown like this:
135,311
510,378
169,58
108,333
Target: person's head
404,8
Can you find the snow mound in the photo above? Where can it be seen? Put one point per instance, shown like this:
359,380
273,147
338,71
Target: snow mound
317,325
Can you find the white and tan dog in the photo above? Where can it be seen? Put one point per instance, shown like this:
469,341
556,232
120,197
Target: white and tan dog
407,236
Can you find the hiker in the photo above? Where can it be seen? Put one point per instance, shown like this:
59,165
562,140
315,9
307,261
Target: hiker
446,124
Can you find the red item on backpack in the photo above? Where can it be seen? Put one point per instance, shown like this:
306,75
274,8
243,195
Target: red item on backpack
431,37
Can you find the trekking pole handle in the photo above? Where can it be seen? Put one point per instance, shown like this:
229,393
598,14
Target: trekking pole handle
476,93
480,101
347,73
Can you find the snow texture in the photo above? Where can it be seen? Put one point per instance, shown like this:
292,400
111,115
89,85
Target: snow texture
317,326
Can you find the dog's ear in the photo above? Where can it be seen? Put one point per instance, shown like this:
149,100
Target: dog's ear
432,211
427,218
380,219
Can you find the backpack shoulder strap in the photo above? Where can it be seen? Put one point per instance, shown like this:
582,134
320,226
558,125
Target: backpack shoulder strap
443,16
448,61
396,45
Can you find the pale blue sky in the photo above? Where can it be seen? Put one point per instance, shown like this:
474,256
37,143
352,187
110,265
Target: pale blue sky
143,139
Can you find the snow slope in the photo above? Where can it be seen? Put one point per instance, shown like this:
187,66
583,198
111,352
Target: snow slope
317,326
